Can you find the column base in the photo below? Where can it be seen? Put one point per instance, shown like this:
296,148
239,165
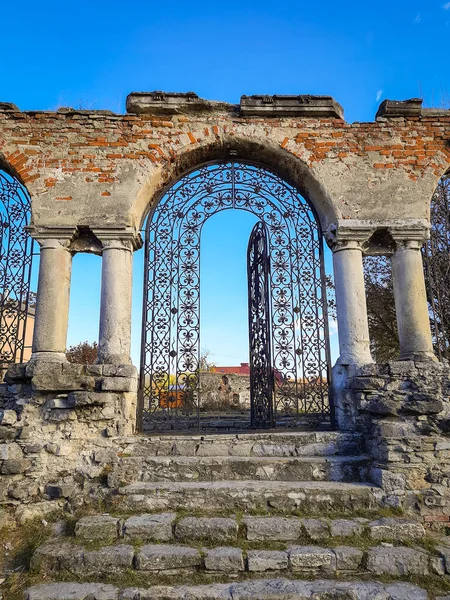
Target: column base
355,360
419,356
113,359
49,357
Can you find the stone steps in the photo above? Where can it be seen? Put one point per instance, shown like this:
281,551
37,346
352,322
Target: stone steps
294,443
167,544
256,589
315,498
170,527
57,558
234,468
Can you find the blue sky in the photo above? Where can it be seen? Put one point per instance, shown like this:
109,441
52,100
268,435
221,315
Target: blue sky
92,54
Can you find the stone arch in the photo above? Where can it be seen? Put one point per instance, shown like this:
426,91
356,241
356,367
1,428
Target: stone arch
269,156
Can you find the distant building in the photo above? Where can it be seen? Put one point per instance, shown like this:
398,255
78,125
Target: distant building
244,369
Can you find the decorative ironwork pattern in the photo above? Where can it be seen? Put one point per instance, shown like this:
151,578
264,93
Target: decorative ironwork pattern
170,352
261,370
15,268
436,258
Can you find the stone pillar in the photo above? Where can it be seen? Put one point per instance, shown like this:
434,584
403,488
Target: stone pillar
115,305
353,327
411,302
52,305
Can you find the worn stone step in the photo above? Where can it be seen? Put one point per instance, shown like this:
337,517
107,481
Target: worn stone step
167,527
258,468
295,443
278,496
256,589
61,557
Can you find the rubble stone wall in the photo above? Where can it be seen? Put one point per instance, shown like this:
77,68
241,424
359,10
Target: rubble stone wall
403,410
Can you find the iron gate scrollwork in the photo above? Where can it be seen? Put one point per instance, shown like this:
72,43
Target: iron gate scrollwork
16,256
259,327
170,390
436,259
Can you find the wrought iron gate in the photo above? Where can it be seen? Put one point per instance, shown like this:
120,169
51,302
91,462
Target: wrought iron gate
170,384
16,256
436,258
259,328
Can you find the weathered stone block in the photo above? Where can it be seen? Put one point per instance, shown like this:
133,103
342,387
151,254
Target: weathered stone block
273,528
405,591
16,372
345,528
120,371
118,384
109,558
161,557
82,399
398,529
316,528
63,403
63,490
72,591
267,560
56,555
312,558
8,434
150,527
54,380
348,559
224,560
8,417
391,483
15,466
202,528
97,528
397,561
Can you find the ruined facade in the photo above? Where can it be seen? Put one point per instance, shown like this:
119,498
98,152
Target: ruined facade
93,177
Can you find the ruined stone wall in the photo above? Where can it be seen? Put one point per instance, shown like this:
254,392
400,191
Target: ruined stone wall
403,410
224,392
97,169
58,423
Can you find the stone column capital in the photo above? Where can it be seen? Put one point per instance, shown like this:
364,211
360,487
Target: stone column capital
410,236
353,235
54,238
119,239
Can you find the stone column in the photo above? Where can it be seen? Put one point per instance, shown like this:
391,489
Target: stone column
115,305
411,302
353,327
52,305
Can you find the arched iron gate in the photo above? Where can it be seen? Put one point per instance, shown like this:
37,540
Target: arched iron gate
170,354
16,257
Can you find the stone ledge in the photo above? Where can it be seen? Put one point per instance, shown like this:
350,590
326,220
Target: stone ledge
171,103
290,106
400,108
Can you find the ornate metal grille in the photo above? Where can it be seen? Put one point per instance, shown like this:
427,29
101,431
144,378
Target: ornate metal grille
259,326
170,354
436,258
15,269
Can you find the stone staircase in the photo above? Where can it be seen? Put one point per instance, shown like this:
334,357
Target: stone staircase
253,516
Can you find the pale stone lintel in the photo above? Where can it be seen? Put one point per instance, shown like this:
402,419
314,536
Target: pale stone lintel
53,237
351,233
125,239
